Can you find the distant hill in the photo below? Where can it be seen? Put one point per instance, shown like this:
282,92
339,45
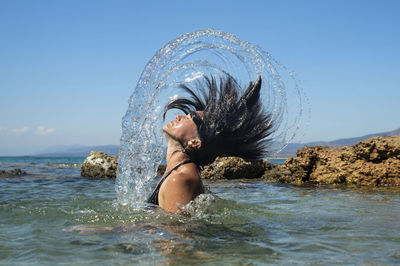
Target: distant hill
290,150
77,150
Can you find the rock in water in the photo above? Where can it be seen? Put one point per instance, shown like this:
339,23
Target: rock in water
372,162
234,168
100,165
12,173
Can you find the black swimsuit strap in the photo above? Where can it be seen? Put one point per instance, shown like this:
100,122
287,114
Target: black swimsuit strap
154,196
176,167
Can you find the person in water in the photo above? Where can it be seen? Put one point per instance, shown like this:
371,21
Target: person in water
217,122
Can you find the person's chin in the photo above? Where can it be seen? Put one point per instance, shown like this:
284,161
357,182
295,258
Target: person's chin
165,128
171,135
167,131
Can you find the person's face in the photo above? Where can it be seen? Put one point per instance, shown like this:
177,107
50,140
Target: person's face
182,129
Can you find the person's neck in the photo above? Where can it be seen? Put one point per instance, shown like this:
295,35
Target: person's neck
175,154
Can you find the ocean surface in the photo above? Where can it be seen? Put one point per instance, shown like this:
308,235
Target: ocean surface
54,216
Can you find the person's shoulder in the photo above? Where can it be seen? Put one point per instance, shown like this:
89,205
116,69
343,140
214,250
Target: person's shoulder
186,177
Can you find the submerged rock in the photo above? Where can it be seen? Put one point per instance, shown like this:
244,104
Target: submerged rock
99,165
372,162
12,173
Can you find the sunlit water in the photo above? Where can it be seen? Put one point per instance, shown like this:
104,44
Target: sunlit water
54,216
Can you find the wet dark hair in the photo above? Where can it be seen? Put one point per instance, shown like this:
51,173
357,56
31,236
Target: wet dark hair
229,126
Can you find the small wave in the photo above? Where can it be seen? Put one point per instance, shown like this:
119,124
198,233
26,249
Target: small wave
199,207
212,209
86,211
64,165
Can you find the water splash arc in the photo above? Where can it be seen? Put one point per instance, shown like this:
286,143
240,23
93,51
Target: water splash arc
184,60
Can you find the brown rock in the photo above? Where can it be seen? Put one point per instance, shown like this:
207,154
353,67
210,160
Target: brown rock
372,162
99,165
276,173
234,168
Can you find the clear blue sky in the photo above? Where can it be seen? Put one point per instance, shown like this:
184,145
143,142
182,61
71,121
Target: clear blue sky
67,68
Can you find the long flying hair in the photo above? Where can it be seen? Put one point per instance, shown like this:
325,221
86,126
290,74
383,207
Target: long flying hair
230,125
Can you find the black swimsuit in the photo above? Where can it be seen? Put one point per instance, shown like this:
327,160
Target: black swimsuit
154,197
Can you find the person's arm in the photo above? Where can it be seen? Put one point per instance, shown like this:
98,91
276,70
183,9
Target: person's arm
180,190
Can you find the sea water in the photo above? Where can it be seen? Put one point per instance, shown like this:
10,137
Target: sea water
54,216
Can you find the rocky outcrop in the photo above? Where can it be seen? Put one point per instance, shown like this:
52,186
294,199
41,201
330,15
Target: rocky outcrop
12,173
99,165
372,162
234,168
